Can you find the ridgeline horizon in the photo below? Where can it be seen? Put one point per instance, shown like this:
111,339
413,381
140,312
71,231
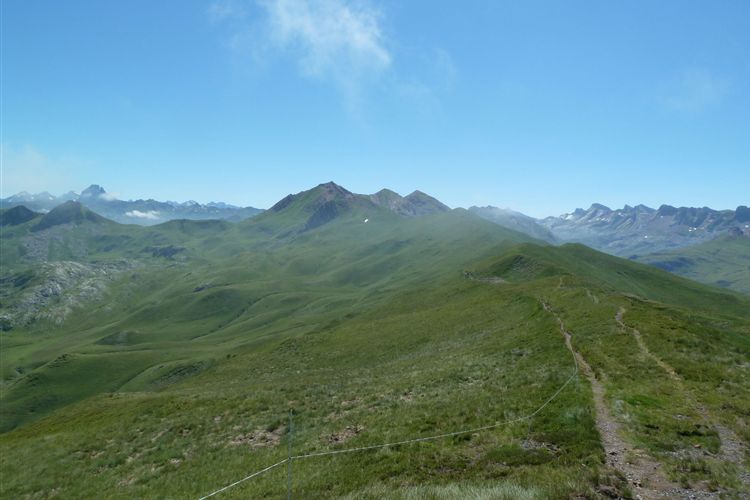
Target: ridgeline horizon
97,191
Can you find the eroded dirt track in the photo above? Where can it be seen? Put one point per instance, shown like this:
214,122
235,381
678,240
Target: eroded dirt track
732,449
645,475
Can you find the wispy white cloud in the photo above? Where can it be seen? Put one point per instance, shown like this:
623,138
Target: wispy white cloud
108,196
330,38
697,90
340,42
148,214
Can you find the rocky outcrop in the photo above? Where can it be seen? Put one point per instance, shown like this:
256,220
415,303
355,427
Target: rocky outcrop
52,291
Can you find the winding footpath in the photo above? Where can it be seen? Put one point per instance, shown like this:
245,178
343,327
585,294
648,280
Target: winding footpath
732,447
645,475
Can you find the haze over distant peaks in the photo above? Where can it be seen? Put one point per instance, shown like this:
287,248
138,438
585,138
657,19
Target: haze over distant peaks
628,231
640,229
70,212
143,212
514,220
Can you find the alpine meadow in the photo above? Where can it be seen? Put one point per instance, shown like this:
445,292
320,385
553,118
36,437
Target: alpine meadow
330,343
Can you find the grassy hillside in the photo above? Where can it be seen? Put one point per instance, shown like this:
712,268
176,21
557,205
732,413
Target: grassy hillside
181,376
723,262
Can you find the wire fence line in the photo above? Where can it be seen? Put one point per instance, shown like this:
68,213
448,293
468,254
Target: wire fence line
438,436
419,439
406,441
258,473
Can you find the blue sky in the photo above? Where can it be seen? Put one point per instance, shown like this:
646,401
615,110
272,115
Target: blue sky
538,106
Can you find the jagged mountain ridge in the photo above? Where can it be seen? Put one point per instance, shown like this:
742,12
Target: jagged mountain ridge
142,212
71,232
334,288
629,231
416,203
150,212
219,334
640,230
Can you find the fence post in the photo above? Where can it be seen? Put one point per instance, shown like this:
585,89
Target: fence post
289,460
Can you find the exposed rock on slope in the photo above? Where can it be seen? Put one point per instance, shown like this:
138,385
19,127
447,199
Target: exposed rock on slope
640,229
54,290
328,201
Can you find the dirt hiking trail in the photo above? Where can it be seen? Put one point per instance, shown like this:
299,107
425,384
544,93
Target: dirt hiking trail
645,476
732,447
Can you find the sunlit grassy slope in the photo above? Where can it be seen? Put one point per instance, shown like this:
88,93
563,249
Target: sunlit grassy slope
183,379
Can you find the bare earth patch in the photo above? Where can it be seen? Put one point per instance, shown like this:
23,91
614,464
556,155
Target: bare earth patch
346,434
259,438
644,475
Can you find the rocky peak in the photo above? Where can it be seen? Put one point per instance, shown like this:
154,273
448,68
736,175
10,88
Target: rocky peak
315,197
331,190
93,191
387,199
666,210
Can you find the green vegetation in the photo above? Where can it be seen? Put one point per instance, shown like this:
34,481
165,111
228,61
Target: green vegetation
723,262
180,377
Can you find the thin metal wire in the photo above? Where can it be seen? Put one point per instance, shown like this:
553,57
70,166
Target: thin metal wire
439,436
407,441
245,479
426,438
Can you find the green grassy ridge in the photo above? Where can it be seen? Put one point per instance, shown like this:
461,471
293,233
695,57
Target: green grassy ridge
529,261
401,360
207,240
490,347
660,415
306,283
367,325
723,262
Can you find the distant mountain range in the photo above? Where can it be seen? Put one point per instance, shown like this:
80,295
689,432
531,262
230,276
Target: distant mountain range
627,232
143,212
150,212
639,230
165,360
